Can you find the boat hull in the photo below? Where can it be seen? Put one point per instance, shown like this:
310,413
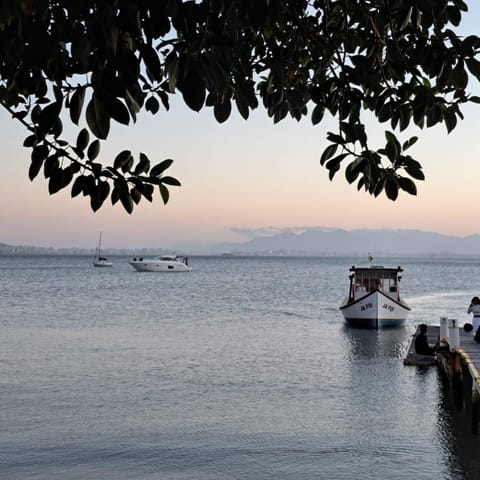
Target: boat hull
375,310
102,263
159,266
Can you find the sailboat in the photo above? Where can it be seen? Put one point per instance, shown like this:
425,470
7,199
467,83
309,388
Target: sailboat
100,261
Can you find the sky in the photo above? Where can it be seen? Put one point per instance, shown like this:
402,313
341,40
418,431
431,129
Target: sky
238,178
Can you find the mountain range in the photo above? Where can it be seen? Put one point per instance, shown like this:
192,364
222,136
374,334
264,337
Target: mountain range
336,241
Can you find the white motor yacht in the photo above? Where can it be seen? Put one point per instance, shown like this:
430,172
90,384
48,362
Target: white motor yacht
163,263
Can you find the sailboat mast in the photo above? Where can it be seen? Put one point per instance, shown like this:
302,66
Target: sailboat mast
100,261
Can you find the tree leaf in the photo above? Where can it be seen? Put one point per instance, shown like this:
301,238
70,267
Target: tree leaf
93,150
82,139
102,115
164,193
152,62
407,185
49,116
39,154
92,119
172,67
415,172
328,153
59,179
77,186
147,191
143,165
127,166
454,15
222,110
50,166
164,98
333,137
411,141
115,108
135,195
193,90
242,106
76,104
474,99
122,159
115,197
391,189
31,140
171,181
460,76
474,67
103,190
97,120
450,120
127,202
354,169
317,114
333,166
158,169
152,105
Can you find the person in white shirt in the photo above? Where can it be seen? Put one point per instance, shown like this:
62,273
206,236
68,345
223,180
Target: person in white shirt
475,309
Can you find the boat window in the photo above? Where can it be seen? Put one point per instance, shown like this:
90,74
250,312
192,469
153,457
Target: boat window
368,280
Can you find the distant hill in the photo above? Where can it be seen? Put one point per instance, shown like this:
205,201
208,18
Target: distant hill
328,241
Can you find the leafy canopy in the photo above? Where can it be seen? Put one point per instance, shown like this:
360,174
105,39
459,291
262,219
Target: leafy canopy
98,62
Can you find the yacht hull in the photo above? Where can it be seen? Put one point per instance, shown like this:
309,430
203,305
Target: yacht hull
159,266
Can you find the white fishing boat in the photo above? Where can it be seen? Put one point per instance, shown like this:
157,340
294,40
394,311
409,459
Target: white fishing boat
163,263
373,299
98,260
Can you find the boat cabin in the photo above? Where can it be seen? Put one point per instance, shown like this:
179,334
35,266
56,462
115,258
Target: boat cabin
368,279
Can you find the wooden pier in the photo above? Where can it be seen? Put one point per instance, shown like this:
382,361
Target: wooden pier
461,365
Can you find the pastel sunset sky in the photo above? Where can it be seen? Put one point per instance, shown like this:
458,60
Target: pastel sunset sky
242,175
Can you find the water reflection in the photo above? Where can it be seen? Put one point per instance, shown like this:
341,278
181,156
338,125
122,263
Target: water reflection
454,430
370,343
420,408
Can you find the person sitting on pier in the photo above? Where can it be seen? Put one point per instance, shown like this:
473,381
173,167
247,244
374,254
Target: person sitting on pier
421,342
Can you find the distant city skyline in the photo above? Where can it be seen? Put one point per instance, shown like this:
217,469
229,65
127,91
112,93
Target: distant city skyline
242,175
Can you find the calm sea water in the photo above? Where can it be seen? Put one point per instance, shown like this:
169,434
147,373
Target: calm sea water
240,369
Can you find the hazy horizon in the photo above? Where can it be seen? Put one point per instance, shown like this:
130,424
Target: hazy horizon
309,239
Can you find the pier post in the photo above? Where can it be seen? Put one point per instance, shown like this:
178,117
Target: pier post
456,363
475,410
457,380
451,364
443,331
453,333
